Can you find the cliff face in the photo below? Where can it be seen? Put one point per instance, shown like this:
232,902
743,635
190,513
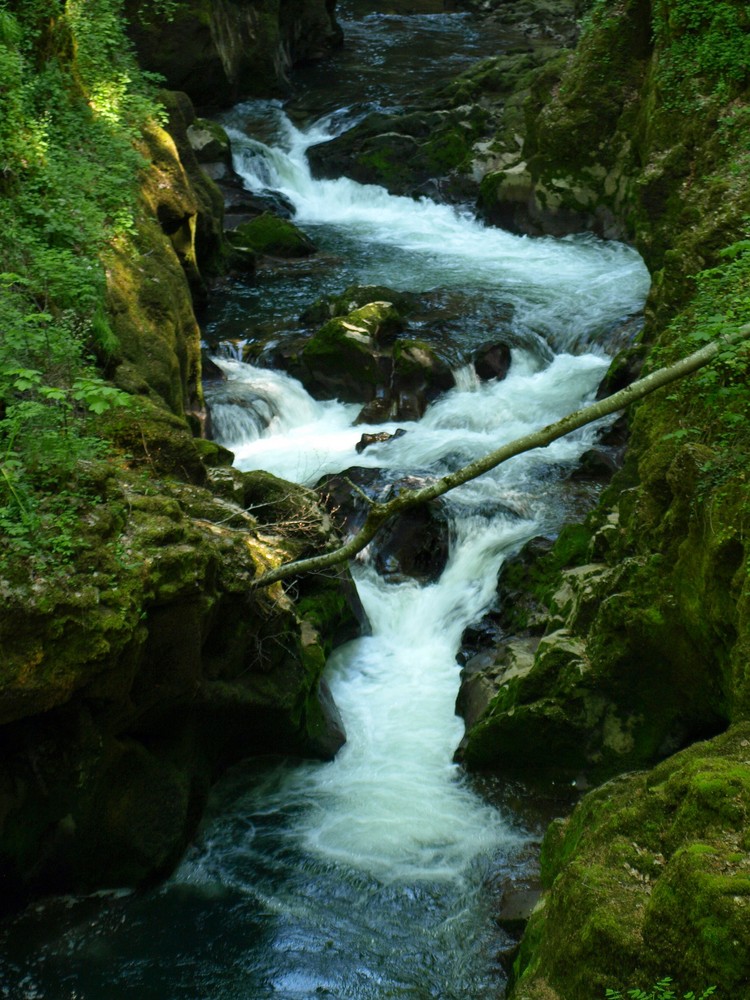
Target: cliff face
653,606
217,50
137,662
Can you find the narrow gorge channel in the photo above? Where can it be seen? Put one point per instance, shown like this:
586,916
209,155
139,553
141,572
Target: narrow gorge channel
371,876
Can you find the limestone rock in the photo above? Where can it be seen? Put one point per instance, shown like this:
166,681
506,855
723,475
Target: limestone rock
128,685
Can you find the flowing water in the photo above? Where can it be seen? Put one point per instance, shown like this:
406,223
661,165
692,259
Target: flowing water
371,876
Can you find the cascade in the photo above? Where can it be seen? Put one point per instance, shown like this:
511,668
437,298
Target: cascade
368,877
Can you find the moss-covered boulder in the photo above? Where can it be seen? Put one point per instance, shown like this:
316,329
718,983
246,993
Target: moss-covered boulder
406,154
272,236
134,676
648,877
349,356
209,141
365,355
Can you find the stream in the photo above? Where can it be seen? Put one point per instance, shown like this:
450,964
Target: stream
376,875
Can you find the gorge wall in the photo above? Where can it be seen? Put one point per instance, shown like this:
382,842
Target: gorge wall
137,663
632,633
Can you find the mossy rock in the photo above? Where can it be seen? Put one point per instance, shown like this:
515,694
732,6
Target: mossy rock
404,153
268,234
155,439
355,297
133,679
212,454
647,878
209,141
350,356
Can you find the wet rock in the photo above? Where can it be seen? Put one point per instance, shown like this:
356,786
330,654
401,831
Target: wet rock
130,682
355,297
486,672
516,906
624,369
492,361
348,357
413,544
595,464
367,439
209,141
366,356
270,235
413,153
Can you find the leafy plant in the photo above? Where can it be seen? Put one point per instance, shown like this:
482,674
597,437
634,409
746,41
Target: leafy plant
662,990
73,107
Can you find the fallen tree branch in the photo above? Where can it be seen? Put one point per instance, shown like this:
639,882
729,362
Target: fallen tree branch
381,512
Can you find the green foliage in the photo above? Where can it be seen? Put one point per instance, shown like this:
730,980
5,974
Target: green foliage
663,990
713,407
72,108
706,48
162,9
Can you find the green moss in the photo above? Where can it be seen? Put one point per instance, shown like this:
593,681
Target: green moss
268,234
645,879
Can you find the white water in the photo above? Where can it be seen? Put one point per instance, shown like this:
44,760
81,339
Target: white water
565,290
392,803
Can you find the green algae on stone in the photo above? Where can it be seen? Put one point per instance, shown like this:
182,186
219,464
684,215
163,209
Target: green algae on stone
650,876
268,234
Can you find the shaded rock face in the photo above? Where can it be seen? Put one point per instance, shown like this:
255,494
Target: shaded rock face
149,670
648,873
220,50
414,544
366,356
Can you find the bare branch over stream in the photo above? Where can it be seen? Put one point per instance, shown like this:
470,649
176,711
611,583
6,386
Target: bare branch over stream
379,513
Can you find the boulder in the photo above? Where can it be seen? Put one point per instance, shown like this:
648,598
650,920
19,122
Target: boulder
404,153
132,680
492,361
349,357
648,877
272,236
363,357
368,439
209,141
414,544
